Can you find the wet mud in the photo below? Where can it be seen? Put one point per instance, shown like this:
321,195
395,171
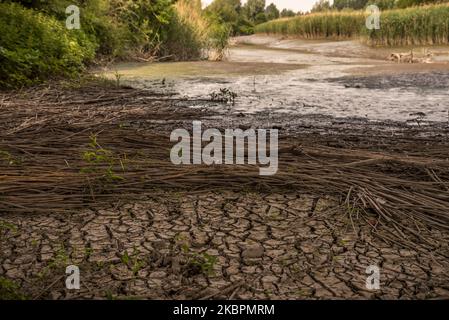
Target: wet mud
343,79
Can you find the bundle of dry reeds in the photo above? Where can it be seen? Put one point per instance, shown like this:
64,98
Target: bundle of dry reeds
65,151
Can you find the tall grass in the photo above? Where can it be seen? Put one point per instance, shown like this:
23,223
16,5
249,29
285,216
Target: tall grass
187,31
192,35
412,26
426,25
333,25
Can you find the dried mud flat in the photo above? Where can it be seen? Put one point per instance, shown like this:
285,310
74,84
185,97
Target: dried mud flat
215,245
349,194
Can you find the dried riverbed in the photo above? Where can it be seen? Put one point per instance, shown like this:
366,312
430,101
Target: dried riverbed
359,184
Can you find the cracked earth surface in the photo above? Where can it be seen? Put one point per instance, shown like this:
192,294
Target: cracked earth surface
214,245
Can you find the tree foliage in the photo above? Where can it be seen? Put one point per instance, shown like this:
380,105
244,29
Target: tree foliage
272,12
254,10
321,5
287,13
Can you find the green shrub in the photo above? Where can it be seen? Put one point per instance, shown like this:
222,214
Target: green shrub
35,44
34,47
9,290
141,23
100,21
218,39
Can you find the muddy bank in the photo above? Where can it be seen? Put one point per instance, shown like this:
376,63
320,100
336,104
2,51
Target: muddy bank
342,48
340,79
199,69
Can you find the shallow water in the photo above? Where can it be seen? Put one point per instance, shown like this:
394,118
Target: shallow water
305,77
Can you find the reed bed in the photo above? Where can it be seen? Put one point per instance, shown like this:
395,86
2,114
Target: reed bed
423,25
327,25
61,152
427,25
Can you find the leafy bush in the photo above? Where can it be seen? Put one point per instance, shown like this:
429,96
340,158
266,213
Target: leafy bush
143,22
218,40
102,21
34,46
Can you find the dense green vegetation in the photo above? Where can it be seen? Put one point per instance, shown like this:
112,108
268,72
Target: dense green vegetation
35,43
34,46
414,25
244,19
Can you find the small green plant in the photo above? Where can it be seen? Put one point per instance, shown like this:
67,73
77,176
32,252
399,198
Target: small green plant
98,158
6,157
206,262
88,252
125,258
110,295
9,290
7,226
133,261
59,260
118,76
202,261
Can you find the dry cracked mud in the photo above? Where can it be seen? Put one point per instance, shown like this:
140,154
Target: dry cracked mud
214,244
